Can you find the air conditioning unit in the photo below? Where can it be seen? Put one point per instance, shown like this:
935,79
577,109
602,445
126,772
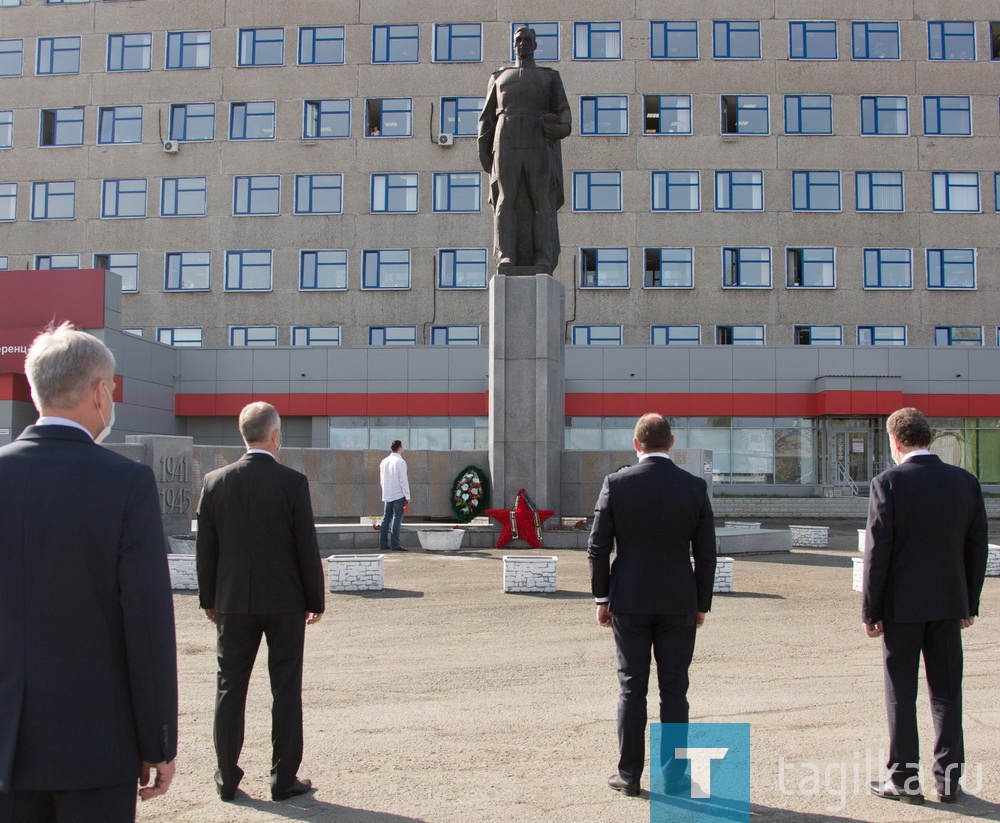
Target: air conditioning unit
171,146
446,139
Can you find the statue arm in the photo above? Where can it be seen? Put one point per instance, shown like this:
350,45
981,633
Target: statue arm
487,127
559,120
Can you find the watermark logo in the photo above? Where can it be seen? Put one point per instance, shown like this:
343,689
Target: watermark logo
699,772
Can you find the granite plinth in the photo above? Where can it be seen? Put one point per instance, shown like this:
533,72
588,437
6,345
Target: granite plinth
752,541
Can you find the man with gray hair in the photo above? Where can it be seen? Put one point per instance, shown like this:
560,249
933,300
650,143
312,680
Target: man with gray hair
259,575
88,660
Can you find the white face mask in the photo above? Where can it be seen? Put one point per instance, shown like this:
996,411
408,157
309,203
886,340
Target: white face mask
103,433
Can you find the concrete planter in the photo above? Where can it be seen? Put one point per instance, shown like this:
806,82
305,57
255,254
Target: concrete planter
723,575
993,561
440,540
861,540
355,572
741,524
813,537
183,572
525,573
859,573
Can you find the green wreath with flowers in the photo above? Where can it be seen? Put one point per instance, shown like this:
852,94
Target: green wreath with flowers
470,493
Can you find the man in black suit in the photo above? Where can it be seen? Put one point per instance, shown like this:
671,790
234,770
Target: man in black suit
925,563
655,516
259,575
88,661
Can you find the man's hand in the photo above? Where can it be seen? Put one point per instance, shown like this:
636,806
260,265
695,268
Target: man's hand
210,614
603,615
699,621
313,617
874,629
968,621
164,776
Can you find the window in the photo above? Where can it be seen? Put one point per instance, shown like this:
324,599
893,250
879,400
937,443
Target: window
248,270
460,115
130,52
739,335
47,262
951,40
183,196
394,193
58,55
604,268
123,198
739,191
746,268
996,175
875,41
881,335
457,191
744,114
4,261
326,118
817,335
189,50
951,268
253,336
323,269
885,116
6,129
261,47
458,42
812,40
673,39
11,58
454,335
668,269
667,113
53,200
674,335
321,45
392,335
994,41
958,335
597,191
257,195
315,335
676,191
597,41
180,336
736,39
396,44
385,269
604,114
389,117
8,201
810,268
546,40
879,190
135,331
187,271
816,190
124,264
119,125
888,269
955,191
319,193
251,121
948,116
808,114
597,335
462,269
192,121
61,127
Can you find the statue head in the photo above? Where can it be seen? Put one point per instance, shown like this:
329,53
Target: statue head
525,43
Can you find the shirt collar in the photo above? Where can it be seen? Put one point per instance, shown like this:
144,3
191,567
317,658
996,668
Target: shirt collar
261,451
915,453
51,420
647,455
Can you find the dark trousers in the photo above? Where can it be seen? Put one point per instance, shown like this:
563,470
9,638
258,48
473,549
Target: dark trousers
106,804
940,642
238,641
670,638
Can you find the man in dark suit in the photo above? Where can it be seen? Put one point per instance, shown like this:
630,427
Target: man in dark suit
259,575
88,661
655,515
925,563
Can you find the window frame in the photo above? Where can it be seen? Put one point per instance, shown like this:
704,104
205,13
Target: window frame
203,267
72,262
733,106
121,119
121,52
805,178
309,331
871,119
666,330
399,39
117,193
19,51
649,276
798,101
132,285
447,331
605,267
199,120
306,186
6,129
593,106
169,332
587,187
47,198
948,334
54,52
411,337
448,276
447,31
934,109
449,186
67,119
802,267
586,47
744,328
728,29
872,188
8,194
874,336
248,187
263,342
800,330
664,179
373,257
726,187
234,280
863,50
869,255
733,263
586,332
404,131
647,115
387,186
683,27
246,116
804,35
315,118
251,38
453,124
314,30
938,269
943,37
179,191
951,190
337,268
177,47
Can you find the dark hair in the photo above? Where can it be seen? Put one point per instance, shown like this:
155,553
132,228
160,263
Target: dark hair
396,445
910,428
653,433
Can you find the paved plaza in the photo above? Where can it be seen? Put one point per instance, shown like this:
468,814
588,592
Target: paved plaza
443,700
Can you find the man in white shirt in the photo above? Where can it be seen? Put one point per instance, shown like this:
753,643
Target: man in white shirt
395,495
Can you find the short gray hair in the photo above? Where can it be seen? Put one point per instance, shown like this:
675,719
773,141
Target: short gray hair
257,421
63,364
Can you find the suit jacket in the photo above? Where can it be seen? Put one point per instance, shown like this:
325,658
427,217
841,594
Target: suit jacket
257,550
657,515
88,659
925,544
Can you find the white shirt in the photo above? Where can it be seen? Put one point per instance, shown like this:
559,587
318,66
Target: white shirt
61,421
392,476
647,455
914,453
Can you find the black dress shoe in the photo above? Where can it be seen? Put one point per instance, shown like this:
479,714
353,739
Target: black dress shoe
297,788
226,795
949,797
890,791
620,784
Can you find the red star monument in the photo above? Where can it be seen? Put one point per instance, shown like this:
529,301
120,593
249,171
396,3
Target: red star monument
523,520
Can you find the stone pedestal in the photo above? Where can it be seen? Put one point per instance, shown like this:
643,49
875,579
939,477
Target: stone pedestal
183,572
527,405
858,577
170,459
723,583
355,572
813,537
528,573
993,561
